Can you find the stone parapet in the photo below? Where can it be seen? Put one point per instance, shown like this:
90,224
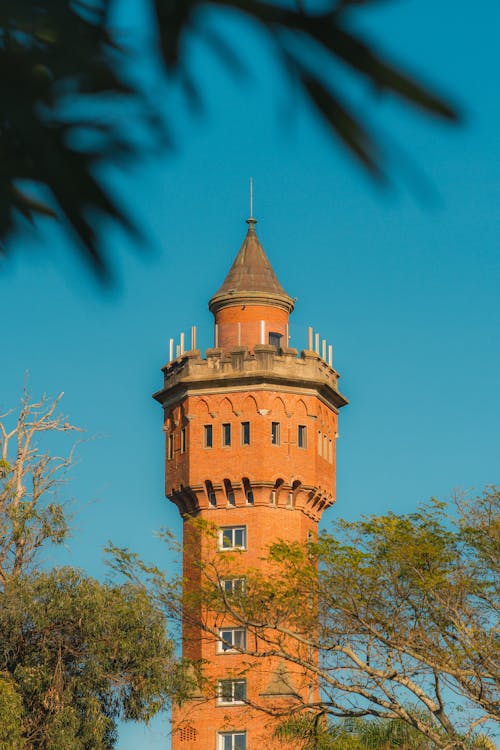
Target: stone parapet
239,367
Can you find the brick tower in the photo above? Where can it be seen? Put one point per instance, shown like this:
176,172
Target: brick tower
250,448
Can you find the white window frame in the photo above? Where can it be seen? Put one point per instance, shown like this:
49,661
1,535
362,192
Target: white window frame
223,745
233,531
228,640
225,700
275,433
183,440
170,446
239,588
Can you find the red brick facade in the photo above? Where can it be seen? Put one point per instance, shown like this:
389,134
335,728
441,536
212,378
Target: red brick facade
250,447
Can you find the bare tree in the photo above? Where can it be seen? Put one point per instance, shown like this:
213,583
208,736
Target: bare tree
31,513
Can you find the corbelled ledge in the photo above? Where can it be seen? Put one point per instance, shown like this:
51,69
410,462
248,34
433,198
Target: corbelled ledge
190,372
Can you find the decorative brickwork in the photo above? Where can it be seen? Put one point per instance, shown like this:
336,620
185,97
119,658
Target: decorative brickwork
250,447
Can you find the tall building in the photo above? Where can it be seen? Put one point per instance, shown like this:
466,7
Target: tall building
250,448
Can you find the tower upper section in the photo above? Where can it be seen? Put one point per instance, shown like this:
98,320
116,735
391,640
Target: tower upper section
251,307
252,423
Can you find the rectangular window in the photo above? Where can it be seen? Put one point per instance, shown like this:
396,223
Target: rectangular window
230,498
275,433
226,434
289,501
245,433
183,440
231,691
233,537
231,640
330,451
208,436
233,585
275,340
170,446
232,741
320,443
272,498
302,436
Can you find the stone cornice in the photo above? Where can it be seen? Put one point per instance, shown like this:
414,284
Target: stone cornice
269,299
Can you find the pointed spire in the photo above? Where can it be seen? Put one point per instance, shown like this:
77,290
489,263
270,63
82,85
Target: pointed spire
251,275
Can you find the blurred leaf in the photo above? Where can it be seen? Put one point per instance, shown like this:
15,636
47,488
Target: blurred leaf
58,56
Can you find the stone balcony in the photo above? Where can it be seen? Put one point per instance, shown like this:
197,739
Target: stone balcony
265,365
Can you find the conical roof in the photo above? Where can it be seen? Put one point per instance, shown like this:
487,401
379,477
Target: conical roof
251,277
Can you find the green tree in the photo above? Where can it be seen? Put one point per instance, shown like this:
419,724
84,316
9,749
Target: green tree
59,57
401,612
362,734
79,655
76,655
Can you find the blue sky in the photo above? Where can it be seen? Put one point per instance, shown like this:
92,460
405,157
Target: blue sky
404,286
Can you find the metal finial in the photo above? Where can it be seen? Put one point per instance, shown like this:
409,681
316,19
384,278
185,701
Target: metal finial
251,197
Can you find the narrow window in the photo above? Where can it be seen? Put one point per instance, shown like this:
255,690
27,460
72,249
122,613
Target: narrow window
302,436
320,443
232,741
275,340
183,440
275,433
208,435
330,451
245,433
272,499
325,447
226,434
232,537
289,502
229,492
170,446
212,499
231,691
231,640
248,491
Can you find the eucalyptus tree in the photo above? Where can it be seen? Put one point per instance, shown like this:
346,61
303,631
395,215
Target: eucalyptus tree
394,617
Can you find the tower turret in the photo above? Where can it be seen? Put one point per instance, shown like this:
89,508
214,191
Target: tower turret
251,307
